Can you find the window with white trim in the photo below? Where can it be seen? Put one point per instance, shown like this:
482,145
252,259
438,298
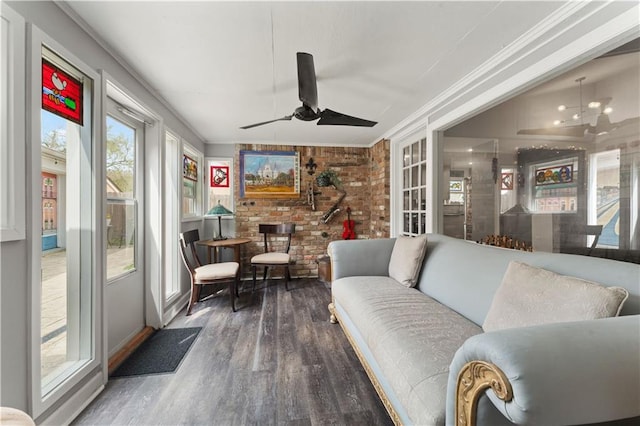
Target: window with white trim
12,125
191,182
414,187
172,216
219,183
64,259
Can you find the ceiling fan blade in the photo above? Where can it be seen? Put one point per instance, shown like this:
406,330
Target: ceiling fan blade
307,87
332,118
603,101
570,131
285,118
628,121
603,125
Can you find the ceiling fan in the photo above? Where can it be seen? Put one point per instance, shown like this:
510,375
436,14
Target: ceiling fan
603,124
308,94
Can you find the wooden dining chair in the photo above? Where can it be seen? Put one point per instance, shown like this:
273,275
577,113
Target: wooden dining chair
213,273
277,241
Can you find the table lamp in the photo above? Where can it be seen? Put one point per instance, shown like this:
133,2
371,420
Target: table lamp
219,210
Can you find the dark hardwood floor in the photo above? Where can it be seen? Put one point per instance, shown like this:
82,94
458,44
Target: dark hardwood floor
277,360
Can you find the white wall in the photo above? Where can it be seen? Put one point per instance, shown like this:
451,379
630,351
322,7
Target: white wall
219,150
14,324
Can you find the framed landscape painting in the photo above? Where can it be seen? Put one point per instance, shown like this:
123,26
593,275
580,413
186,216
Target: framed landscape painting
269,174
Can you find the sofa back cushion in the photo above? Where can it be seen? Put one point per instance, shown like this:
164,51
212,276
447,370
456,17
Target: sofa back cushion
406,259
534,296
465,276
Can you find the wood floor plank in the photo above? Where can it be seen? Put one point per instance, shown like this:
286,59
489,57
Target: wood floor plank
291,386
277,361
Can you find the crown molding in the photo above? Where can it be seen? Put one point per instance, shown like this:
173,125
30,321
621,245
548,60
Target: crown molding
556,28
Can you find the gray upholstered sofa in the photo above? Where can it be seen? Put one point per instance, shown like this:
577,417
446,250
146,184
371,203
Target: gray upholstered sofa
424,348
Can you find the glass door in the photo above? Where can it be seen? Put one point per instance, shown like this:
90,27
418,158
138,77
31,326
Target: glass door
124,240
414,187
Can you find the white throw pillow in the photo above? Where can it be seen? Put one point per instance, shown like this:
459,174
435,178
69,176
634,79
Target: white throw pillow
533,296
406,259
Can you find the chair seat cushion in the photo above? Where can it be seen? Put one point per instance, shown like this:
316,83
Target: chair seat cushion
215,271
270,259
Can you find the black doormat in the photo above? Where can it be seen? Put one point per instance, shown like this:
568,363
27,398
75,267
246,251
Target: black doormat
160,353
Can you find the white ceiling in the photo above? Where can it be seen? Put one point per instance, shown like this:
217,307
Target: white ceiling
221,65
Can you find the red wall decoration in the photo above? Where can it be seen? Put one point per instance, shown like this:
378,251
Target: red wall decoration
219,177
61,93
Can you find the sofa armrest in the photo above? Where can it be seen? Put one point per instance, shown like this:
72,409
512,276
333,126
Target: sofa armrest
360,257
567,373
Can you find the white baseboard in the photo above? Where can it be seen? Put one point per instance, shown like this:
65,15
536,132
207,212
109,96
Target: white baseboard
175,309
78,401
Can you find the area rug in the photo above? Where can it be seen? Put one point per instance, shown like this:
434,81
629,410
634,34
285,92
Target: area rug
160,353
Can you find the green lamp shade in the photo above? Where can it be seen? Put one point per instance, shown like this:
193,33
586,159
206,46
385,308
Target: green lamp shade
219,210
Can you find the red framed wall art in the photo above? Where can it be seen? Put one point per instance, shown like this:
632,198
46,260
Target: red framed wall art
219,177
61,93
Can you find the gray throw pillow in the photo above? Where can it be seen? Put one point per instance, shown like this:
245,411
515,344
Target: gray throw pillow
406,259
533,296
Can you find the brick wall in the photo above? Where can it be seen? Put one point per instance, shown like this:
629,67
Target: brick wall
380,221
364,173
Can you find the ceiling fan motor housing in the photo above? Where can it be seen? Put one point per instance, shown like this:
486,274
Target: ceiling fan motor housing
305,113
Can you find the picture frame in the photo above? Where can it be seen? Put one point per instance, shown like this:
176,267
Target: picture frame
269,174
506,181
62,94
219,176
554,175
455,186
189,168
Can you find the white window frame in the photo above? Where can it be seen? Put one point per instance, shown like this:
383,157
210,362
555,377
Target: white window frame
405,139
211,222
138,190
197,213
12,126
420,184
207,177
86,379
172,209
